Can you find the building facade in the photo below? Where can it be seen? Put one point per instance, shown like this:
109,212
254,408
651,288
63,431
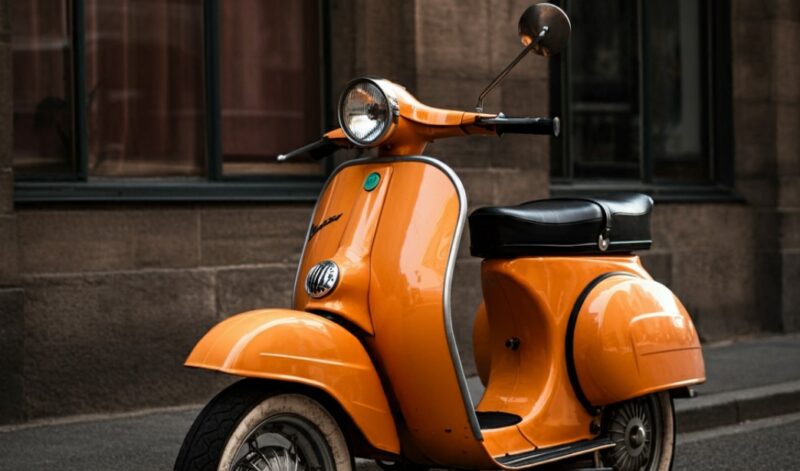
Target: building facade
139,204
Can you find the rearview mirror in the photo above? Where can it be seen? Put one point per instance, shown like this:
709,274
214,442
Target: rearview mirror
544,29
547,26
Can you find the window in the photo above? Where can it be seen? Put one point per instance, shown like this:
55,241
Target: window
166,99
644,91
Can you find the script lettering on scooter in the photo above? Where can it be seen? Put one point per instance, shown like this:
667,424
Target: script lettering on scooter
317,228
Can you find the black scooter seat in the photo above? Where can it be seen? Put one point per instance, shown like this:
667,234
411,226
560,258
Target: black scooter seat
611,224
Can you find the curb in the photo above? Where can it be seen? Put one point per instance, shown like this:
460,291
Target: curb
733,407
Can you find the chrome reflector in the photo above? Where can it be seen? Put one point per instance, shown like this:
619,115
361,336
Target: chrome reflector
322,278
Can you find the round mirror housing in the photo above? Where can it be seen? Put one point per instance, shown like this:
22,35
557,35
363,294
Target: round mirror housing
547,26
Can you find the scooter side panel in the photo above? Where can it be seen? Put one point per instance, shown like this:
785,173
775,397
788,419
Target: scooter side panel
298,347
634,337
414,248
530,299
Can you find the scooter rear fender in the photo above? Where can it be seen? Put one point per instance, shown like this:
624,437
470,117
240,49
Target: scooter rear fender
298,347
630,337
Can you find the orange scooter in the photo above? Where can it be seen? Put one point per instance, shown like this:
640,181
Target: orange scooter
580,351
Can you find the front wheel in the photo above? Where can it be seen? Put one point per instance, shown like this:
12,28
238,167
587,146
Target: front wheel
247,428
644,432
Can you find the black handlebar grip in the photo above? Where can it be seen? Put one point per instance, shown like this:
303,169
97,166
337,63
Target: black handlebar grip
503,125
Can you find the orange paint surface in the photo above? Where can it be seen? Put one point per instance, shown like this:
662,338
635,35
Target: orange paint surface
299,347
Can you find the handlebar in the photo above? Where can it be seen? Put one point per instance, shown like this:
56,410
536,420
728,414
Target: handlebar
503,125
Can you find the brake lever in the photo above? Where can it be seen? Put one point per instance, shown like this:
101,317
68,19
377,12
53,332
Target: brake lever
316,150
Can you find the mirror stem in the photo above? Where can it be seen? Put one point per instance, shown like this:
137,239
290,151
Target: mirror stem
502,75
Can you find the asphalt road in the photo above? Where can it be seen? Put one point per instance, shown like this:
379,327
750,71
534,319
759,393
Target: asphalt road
151,441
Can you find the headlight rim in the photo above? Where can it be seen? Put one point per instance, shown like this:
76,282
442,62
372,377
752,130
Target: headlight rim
394,111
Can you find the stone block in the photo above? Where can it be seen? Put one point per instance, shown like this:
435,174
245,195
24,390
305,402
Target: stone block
5,18
473,152
166,238
790,230
759,192
789,192
247,288
718,288
752,68
6,106
787,61
105,240
253,234
526,97
466,296
514,186
479,186
788,139
719,227
768,288
528,153
384,40
115,341
755,131
658,264
8,251
504,43
452,38
458,93
766,232
790,294
746,10
785,9
6,190
12,349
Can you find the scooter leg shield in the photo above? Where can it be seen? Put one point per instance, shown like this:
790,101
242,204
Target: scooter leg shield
631,337
298,347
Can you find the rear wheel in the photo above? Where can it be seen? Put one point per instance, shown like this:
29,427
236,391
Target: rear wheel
644,432
246,428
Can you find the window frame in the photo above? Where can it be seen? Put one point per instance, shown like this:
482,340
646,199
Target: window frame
720,157
80,187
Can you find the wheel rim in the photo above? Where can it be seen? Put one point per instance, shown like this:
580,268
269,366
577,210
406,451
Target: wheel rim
635,428
283,442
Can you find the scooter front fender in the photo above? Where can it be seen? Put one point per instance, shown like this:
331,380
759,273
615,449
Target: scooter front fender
298,347
631,336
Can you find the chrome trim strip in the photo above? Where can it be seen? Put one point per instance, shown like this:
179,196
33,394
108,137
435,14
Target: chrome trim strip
448,281
448,277
567,455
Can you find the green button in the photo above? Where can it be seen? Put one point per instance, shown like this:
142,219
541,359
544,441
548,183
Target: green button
372,181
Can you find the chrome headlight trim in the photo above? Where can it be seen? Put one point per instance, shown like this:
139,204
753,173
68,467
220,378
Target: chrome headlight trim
322,279
394,111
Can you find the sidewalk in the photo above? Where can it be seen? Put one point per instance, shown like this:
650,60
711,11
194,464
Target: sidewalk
747,380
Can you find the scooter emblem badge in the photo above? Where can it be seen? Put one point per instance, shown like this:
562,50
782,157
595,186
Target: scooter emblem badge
372,181
322,279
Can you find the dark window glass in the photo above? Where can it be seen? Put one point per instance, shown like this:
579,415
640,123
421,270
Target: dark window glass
676,95
633,89
270,87
144,85
43,104
603,80
166,94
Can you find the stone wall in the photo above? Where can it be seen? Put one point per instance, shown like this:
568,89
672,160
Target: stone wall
100,303
11,294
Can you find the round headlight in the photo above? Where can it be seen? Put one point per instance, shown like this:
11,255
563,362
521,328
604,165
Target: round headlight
366,112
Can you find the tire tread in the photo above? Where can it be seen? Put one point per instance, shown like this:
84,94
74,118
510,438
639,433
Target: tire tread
206,438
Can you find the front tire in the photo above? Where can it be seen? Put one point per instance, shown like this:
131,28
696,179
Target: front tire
644,432
247,428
